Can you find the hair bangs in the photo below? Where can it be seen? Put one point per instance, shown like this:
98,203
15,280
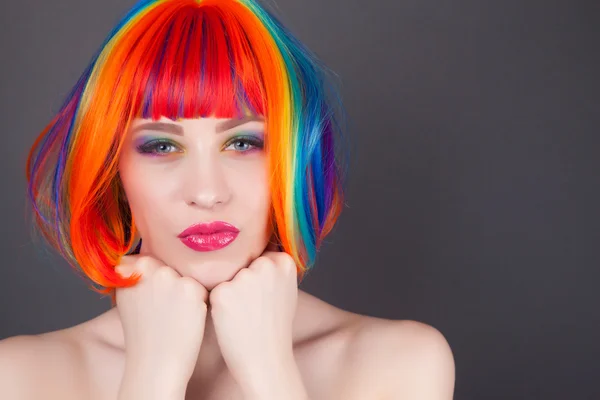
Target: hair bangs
197,63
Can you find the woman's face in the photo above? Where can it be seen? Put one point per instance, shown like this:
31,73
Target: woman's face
179,173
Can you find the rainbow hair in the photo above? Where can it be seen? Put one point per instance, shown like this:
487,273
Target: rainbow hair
188,59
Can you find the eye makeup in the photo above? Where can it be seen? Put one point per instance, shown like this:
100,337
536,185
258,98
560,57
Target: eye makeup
151,145
162,146
254,140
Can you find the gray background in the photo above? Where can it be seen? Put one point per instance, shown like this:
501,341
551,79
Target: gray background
473,195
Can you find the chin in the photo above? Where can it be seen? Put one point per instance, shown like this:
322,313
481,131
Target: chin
212,268
211,277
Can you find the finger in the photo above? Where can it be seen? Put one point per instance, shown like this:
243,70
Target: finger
282,259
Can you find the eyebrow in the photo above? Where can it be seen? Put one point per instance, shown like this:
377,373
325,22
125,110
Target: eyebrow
178,129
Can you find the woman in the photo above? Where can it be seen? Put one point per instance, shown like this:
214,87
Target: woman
192,175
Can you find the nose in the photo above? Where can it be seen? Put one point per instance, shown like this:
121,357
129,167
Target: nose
205,185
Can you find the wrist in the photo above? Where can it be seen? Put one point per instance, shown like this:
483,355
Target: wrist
149,381
138,388
281,379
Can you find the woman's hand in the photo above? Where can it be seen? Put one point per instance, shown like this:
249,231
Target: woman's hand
163,319
253,315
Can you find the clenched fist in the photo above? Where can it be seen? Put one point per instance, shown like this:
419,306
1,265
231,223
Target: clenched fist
163,319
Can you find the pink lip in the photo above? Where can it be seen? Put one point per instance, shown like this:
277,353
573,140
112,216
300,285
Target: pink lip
209,237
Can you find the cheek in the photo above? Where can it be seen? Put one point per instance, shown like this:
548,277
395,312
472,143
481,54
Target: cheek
143,178
144,188
253,193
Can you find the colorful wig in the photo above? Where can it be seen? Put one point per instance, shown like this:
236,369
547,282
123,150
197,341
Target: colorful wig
188,59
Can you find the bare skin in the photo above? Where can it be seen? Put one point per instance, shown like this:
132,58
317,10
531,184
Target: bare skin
341,355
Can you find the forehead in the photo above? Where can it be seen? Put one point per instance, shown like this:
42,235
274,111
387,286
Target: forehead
178,126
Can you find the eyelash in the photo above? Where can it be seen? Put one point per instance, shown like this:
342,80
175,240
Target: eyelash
151,146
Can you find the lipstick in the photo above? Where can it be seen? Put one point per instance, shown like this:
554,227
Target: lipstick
208,236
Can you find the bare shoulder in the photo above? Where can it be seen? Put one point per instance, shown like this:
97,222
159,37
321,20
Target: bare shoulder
36,366
386,359
402,359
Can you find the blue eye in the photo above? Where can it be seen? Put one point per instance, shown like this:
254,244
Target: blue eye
156,147
244,144
162,147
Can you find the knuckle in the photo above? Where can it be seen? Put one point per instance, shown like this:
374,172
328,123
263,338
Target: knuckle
164,273
144,260
286,257
289,265
218,293
147,263
191,289
244,272
270,266
261,263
